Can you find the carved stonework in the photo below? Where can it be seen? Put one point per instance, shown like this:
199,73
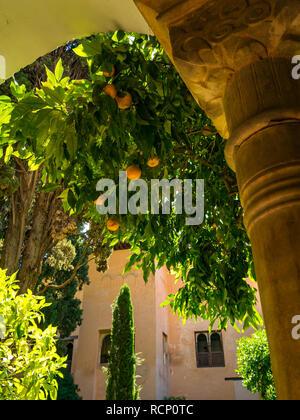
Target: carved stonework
212,40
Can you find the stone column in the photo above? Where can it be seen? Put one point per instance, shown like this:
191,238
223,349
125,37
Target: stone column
264,150
236,58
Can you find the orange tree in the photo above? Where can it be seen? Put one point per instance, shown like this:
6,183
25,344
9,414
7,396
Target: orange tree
132,110
254,365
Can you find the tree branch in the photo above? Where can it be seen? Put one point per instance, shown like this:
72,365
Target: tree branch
77,267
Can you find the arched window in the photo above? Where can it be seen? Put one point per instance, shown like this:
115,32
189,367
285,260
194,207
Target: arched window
209,350
70,347
216,344
202,343
105,349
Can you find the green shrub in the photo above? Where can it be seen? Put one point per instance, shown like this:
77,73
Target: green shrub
254,365
67,390
122,359
29,361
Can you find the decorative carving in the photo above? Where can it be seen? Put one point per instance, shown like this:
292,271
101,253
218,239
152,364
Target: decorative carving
246,49
212,40
233,10
212,24
257,12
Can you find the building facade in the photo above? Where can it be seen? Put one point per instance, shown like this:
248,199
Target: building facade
180,360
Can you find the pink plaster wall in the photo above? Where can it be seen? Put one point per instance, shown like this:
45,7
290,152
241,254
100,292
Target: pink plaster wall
176,374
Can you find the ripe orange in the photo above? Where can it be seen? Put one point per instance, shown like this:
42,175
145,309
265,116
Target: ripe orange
125,102
153,162
111,90
113,225
134,172
113,70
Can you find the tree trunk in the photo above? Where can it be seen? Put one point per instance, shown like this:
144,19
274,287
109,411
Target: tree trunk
35,224
18,219
40,240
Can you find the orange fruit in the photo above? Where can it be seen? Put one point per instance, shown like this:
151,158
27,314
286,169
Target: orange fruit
111,90
125,102
110,74
133,172
113,225
214,226
153,162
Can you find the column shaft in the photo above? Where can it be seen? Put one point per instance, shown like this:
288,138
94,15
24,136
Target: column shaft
264,150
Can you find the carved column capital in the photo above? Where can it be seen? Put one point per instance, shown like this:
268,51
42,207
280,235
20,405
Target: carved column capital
212,40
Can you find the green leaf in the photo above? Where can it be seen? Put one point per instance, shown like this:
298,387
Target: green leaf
59,70
5,99
114,242
80,51
88,48
8,153
58,152
19,331
17,91
50,187
168,127
118,36
50,77
106,67
56,95
71,142
30,103
71,199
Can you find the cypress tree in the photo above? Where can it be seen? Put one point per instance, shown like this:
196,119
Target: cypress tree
122,360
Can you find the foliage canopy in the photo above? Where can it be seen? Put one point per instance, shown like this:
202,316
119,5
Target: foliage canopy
77,134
